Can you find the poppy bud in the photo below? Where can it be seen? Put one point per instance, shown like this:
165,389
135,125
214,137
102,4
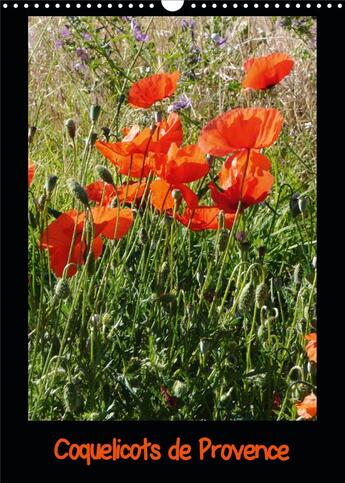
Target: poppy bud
164,270
294,208
223,240
302,204
50,183
314,263
95,320
204,346
93,138
210,159
72,397
121,99
41,202
261,251
200,277
104,174
297,274
176,194
158,116
143,236
62,290
261,294
106,318
277,283
221,219
106,132
247,297
70,125
95,112
91,266
180,389
78,191
32,132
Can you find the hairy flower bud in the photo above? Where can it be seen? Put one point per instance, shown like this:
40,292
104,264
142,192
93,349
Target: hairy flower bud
95,112
78,191
72,397
247,297
62,290
261,294
71,129
223,240
50,183
104,174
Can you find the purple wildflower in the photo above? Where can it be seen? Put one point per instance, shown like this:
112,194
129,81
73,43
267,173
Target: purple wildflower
65,32
218,40
86,36
138,34
129,19
183,103
80,67
82,54
59,44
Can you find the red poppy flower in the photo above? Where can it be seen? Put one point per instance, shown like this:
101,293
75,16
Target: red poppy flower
104,193
311,347
135,155
251,190
58,236
179,166
242,128
267,71
182,165
308,407
146,92
31,173
161,195
204,218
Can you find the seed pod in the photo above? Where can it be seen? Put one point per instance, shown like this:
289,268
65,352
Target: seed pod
72,397
297,274
261,294
32,132
180,389
71,129
223,240
94,112
247,297
104,174
62,290
50,183
78,191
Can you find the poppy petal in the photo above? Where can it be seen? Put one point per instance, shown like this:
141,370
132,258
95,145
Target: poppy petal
267,71
31,173
242,128
146,92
